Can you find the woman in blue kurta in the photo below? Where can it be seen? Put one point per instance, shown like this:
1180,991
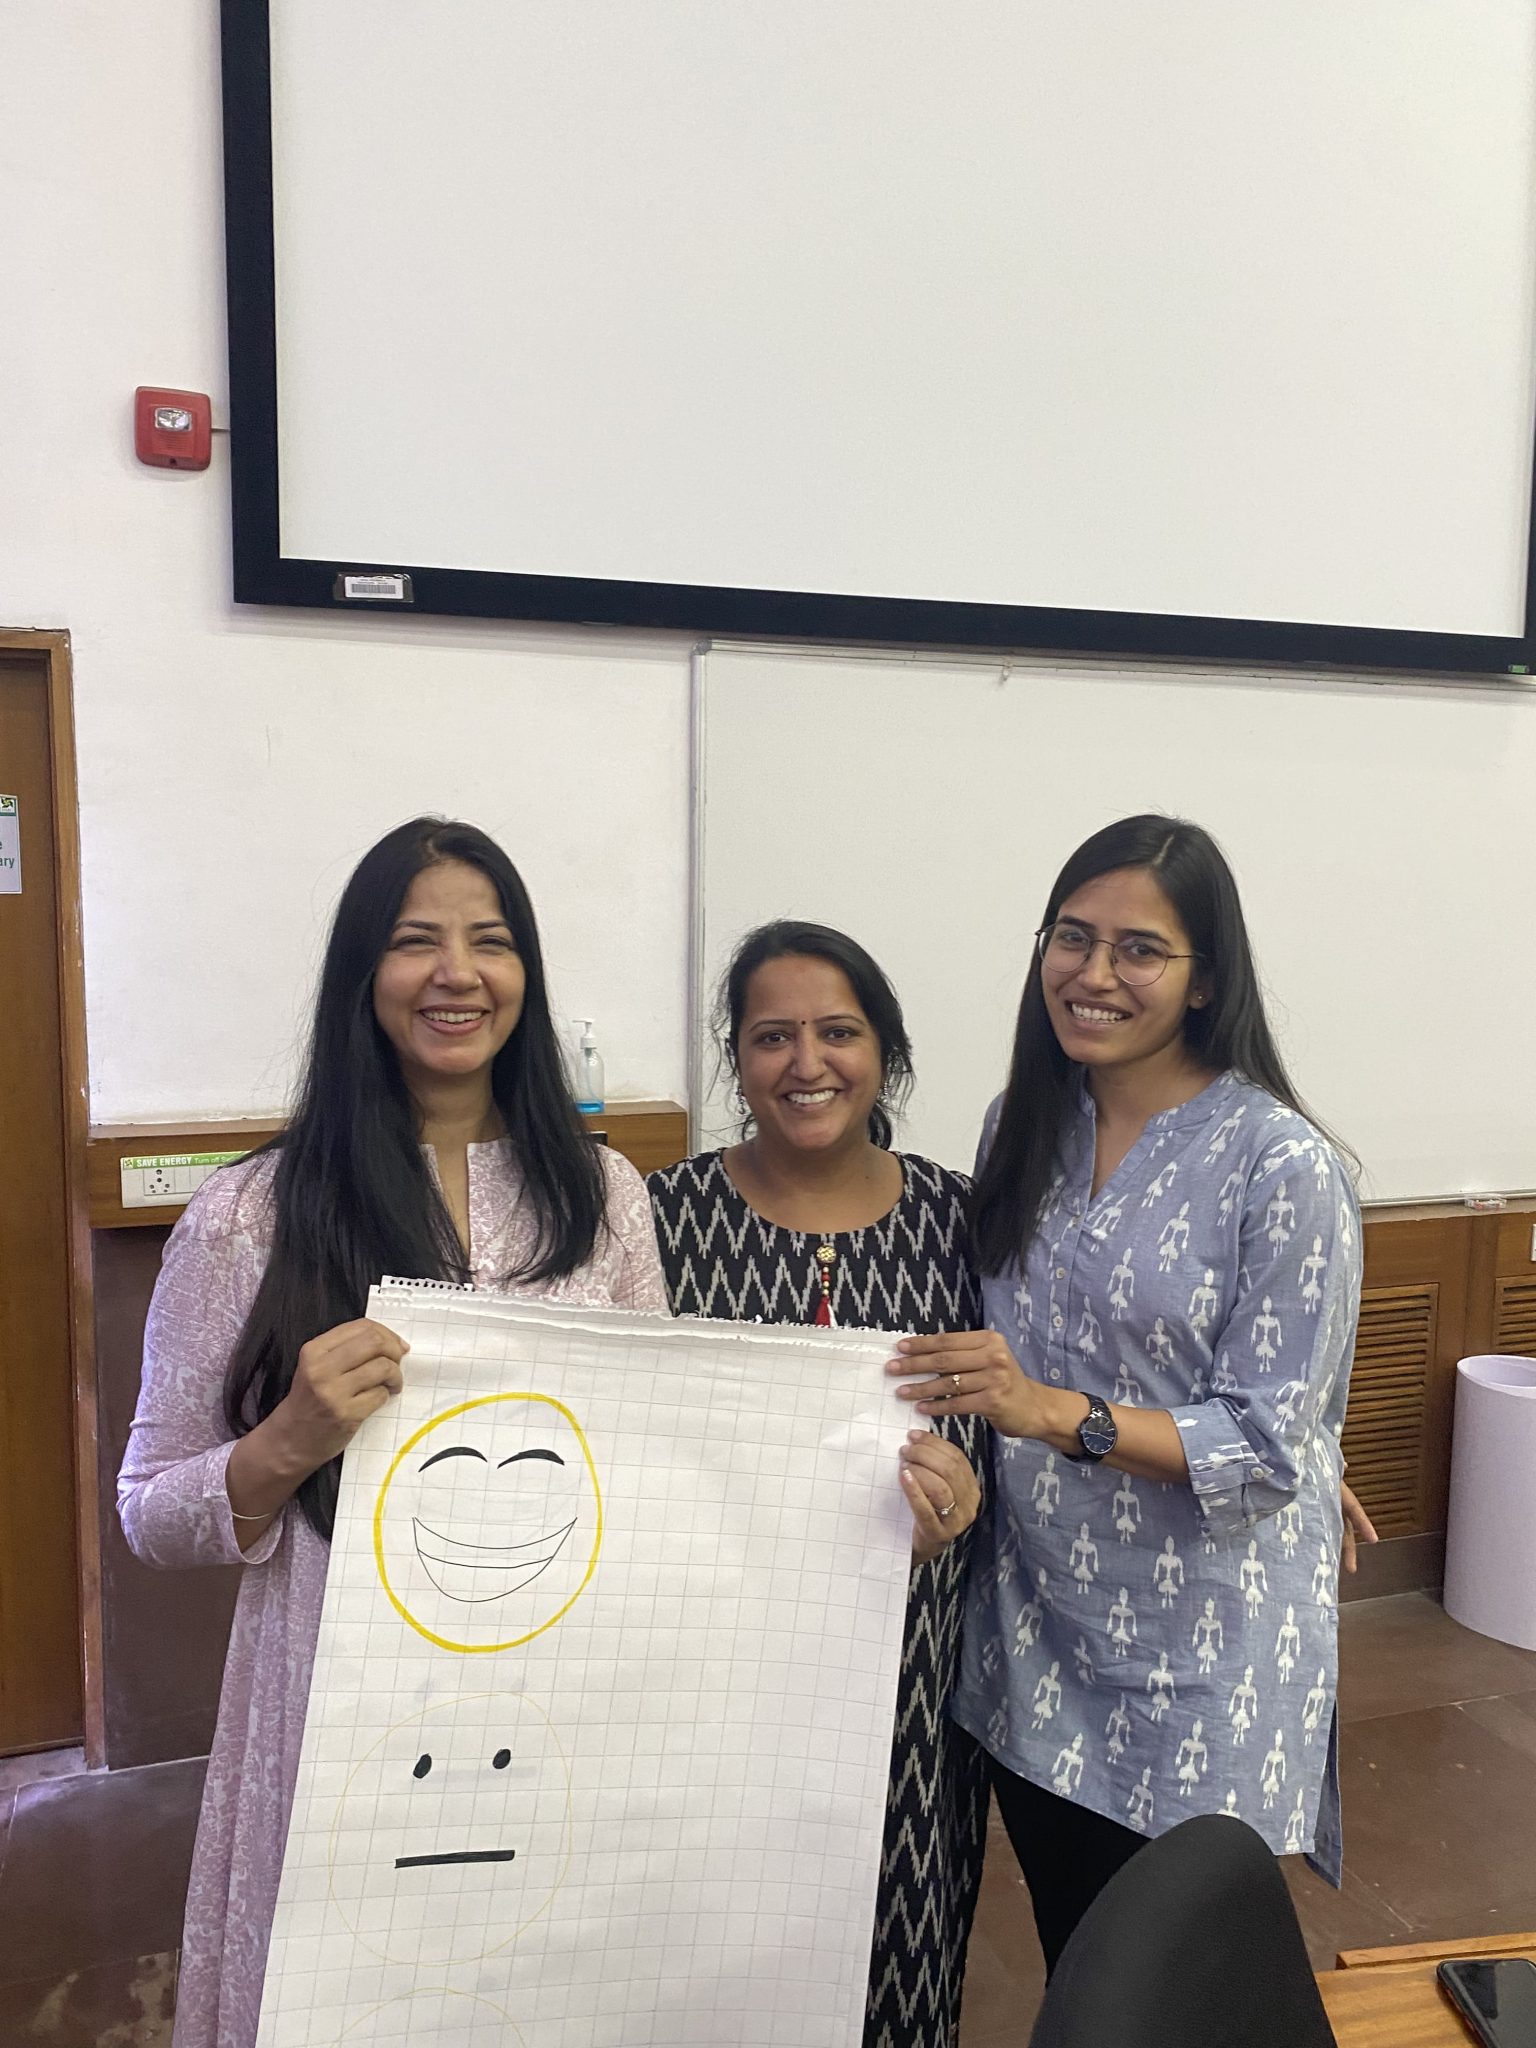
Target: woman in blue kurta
1171,1252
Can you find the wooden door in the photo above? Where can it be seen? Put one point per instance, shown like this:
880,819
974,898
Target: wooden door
40,1653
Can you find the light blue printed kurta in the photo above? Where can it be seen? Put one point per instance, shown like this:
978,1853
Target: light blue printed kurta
1154,1651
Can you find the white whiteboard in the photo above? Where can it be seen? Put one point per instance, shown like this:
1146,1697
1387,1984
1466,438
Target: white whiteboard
1383,837
1189,309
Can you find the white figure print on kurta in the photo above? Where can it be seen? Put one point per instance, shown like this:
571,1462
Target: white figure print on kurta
1208,1639
1203,1304
1069,1769
1127,1388
1229,1804
1272,1777
1082,1657
1122,1288
1313,1268
1122,1623
1317,1700
1117,1730
1172,1239
1047,1696
1267,1336
1191,1761
1289,1402
1296,1825
1142,1804
1218,1332
1323,1576
1287,1645
1243,1706
1026,1631
1046,1491
545,1547
1168,1573
1127,1509
1161,1686
1253,1579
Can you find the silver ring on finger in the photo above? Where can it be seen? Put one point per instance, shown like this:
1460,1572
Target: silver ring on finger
945,1513
959,1385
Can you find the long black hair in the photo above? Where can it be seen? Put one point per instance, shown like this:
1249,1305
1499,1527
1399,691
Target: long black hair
1230,1030
353,1195
788,936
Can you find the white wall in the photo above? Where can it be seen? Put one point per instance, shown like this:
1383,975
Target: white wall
233,763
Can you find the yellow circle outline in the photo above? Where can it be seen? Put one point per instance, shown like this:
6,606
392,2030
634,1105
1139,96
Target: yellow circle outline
445,1642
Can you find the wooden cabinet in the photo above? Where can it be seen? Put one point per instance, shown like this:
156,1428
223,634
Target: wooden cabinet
1442,1283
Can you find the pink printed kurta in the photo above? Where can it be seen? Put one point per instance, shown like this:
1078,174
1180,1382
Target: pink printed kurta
175,1513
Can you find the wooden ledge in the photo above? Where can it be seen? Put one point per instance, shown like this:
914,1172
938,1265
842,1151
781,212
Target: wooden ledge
650,1133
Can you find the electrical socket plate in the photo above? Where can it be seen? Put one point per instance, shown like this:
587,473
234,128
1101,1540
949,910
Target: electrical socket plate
168,1180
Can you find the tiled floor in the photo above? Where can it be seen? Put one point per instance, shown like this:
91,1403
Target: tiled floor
1438,1757
1437,1762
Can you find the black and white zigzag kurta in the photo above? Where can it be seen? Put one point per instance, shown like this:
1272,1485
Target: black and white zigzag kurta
907,1272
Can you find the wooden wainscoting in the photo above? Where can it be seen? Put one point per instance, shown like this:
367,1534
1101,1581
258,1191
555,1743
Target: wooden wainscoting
1442,1282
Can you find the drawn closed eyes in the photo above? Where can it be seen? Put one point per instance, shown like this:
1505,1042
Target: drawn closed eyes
469,1451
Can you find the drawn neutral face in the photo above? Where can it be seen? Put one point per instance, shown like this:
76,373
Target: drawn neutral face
488,1524
453,1831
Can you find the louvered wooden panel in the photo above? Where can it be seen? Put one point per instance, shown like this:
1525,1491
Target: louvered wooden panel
1514,1318
1388,1388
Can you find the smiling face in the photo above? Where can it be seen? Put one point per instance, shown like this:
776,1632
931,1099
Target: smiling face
448,991
488,1524
1099,1019
807,1056
453,1832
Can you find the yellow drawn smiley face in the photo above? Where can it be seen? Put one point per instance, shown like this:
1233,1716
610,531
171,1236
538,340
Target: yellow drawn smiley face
489,1522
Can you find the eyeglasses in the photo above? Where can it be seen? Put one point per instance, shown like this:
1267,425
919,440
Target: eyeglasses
1136,962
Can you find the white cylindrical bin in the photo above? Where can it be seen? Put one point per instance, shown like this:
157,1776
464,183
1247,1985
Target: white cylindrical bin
1490,1546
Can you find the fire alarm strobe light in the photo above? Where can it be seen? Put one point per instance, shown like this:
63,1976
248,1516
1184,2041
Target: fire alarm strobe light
172,429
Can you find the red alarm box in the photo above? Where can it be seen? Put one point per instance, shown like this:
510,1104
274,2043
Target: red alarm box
172,429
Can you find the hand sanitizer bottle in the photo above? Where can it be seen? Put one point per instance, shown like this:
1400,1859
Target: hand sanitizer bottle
589,1071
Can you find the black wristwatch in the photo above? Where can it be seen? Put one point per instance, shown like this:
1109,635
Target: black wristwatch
1096,1433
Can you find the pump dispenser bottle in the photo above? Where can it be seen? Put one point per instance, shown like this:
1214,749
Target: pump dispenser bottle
589,1070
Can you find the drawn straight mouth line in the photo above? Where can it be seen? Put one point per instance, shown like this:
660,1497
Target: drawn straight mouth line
457,1856
495,1553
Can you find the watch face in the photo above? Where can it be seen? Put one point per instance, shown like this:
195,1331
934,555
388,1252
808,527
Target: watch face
1097,1432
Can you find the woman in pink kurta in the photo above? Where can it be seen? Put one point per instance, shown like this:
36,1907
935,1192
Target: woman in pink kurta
214,1472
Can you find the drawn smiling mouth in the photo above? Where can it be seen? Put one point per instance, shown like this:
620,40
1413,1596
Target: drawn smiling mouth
485,1571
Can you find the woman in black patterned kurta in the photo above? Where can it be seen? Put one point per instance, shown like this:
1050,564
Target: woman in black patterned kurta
836,1033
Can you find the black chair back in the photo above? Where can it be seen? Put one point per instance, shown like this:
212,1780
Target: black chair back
1193,1944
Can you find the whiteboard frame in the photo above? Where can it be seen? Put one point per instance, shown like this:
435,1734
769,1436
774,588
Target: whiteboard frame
263,575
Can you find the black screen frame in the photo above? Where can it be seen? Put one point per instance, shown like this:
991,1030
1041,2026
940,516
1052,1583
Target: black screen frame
263,575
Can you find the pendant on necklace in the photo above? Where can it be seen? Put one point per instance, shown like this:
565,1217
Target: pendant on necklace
826,1259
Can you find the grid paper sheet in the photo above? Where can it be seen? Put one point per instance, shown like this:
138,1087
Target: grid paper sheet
599,1734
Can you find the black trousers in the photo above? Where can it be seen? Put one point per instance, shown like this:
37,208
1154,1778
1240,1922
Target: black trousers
1066,1853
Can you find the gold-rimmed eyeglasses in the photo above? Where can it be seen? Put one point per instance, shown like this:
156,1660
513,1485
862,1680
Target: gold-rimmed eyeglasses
1136,961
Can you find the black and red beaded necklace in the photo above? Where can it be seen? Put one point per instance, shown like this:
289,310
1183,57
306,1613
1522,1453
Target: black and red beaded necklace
826,1259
